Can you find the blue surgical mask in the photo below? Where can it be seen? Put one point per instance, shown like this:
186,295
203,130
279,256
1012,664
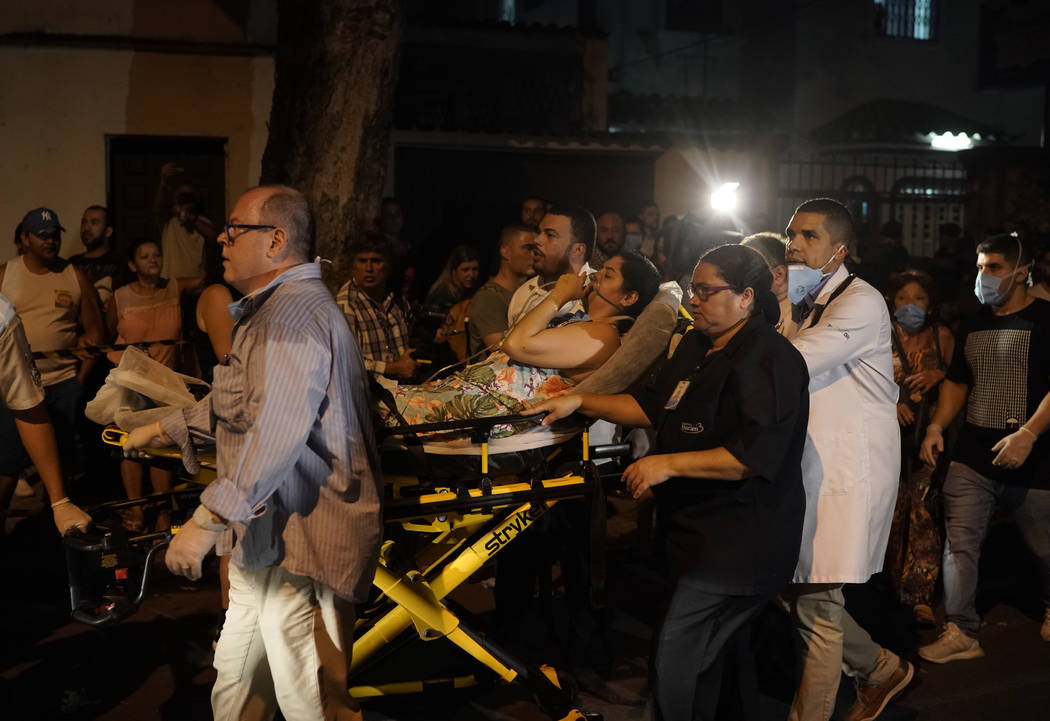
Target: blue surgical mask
632,241
911,317
986,288
802,279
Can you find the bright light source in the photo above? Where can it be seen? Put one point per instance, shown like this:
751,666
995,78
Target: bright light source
948,141
724,199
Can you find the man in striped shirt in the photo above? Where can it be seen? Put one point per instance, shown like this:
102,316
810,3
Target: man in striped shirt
298,476
374,313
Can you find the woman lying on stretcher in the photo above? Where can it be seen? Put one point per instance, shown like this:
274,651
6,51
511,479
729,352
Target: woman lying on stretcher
544,354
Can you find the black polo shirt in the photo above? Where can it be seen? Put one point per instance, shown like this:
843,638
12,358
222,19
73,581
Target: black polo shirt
752,397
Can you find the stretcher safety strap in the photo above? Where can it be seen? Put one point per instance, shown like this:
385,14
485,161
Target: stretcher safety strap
97,351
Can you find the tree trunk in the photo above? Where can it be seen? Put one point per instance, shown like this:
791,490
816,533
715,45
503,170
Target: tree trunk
335,72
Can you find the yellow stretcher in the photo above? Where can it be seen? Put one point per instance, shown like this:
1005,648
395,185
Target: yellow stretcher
462,528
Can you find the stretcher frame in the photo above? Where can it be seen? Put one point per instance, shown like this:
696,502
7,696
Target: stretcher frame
470,526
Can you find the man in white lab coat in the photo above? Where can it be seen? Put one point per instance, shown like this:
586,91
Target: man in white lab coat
850,466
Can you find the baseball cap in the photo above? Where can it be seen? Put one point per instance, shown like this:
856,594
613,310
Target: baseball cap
41,220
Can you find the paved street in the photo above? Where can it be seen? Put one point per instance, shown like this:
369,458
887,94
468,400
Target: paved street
155,665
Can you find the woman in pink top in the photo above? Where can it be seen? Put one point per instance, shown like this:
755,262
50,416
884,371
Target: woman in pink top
146,310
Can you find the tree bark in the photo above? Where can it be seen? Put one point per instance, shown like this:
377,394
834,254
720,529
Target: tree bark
335,73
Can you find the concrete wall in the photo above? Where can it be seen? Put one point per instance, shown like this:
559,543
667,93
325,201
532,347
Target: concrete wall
804,64
840,63
647,57
82,78
58,104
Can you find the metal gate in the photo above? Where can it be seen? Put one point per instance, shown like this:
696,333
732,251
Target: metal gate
919,192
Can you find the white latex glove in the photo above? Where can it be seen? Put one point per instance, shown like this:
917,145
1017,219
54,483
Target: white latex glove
192,543
1014,449
148,436
68,515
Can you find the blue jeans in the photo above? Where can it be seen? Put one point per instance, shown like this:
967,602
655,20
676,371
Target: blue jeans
969,501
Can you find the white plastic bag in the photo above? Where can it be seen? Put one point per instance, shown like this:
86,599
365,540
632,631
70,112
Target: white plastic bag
125,397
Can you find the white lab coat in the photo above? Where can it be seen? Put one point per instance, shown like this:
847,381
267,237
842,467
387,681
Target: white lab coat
851,463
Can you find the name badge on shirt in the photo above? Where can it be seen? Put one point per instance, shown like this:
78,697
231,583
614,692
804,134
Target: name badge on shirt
676,397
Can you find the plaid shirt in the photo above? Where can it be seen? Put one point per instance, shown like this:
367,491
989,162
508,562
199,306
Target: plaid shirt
381,329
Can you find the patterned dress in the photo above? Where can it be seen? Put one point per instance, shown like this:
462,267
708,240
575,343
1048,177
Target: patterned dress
492,387
913,557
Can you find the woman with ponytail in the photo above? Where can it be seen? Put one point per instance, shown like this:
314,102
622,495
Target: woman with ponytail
730,411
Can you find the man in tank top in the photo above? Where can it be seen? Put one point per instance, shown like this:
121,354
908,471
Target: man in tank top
54,300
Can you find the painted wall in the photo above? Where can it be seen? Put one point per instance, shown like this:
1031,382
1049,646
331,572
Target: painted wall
58,104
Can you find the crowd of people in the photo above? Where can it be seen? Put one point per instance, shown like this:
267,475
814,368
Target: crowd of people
837,408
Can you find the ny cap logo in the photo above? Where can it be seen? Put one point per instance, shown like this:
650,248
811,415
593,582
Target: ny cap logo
45,215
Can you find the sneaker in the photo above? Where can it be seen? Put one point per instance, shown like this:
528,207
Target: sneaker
951,645
1044,630
872,699
924,615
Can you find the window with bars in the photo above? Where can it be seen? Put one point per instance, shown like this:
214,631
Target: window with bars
915,19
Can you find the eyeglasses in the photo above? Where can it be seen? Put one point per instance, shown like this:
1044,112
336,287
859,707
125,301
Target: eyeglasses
703,292
230,227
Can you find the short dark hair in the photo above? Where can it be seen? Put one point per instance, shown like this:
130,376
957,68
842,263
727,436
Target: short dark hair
139,242
1008,245
125,274
287,207
892,229
640,276
899,280
370,243
742,267
838,218
512,229
770,246
581,222
18,237
107,222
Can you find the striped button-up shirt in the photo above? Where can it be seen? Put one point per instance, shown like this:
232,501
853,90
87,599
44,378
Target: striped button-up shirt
298,473
381,329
